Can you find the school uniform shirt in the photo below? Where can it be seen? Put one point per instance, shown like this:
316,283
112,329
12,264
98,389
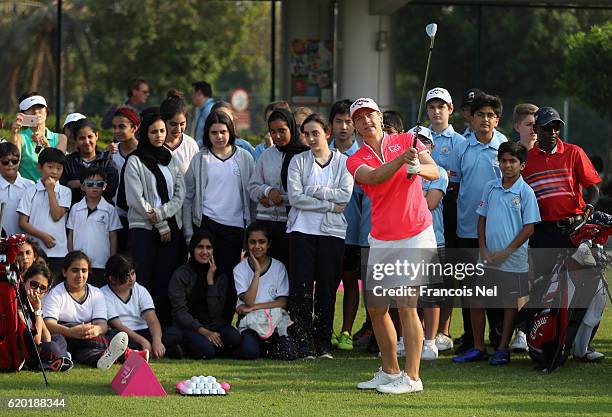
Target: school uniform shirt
438,219
444,143
35,204
308,221
129,312
399,209
473,164
507,212
91,230
61,306
222,197
10,194
184,151
273,282
358,211
557,179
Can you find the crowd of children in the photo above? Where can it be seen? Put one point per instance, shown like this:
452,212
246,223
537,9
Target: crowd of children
211,227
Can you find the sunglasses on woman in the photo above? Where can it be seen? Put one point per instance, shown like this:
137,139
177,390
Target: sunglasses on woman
35,285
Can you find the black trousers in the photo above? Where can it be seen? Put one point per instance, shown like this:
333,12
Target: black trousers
313,259
275,347
155,262
229,241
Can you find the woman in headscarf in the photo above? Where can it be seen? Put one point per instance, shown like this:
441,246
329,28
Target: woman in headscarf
152,190
268,185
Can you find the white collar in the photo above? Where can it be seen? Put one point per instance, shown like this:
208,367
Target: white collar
41,187
20,182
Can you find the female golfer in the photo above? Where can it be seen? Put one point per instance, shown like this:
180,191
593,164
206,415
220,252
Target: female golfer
389,169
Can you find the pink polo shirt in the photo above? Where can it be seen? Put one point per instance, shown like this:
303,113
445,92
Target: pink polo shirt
399,209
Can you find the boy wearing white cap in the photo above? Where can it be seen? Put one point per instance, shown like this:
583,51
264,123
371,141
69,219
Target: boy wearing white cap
32,140
444,139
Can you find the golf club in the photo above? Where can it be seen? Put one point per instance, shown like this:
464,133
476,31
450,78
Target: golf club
431,30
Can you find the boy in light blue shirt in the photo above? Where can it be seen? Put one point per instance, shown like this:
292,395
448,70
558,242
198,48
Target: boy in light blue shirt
358,217
471,165
507,213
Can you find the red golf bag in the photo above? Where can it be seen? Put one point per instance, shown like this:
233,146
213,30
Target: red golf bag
12,345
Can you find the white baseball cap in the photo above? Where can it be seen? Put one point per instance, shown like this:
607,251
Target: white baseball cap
73,117
363,103
441,93
32,101
423,131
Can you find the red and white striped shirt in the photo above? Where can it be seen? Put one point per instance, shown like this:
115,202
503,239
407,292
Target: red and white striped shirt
557,179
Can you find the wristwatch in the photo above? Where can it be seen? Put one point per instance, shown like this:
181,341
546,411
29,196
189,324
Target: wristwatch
38,313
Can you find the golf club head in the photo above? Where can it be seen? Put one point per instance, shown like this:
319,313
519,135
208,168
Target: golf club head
431,29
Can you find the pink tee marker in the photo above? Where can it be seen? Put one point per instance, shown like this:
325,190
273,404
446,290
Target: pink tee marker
136,378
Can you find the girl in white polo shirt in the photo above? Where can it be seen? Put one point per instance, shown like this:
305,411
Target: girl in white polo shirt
262,284
75,314
217,198
319,188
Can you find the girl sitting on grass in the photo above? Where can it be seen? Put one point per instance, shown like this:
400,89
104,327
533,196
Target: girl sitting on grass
75,314
37,281
198,293
131,310
263,289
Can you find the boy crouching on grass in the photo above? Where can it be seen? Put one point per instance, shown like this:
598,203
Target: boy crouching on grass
93,224
508,211
130,309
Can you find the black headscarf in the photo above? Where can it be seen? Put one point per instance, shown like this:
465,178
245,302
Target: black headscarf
294,146
198,268
150,156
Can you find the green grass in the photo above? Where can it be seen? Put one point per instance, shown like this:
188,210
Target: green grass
327,388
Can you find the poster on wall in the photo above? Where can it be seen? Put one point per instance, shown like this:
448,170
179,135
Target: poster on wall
311,71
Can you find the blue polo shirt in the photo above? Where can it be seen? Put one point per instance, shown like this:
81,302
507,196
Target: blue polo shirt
358,211
473,164
438,220
507,212
444,143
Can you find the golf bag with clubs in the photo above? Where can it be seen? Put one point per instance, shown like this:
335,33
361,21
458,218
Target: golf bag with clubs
564,309
13,352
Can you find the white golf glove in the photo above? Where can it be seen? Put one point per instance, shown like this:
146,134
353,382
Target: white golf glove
413,169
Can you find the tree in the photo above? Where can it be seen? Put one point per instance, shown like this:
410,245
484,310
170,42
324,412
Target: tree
586,75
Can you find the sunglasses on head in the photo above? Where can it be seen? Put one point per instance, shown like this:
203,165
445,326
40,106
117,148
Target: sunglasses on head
7,162
35,285
94,183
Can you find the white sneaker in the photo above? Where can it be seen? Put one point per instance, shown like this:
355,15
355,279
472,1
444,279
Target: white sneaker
443,342
429,353
519,344
401,351
116,348
380,378
401,385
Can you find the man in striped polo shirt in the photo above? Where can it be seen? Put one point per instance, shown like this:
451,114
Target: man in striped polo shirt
557,171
